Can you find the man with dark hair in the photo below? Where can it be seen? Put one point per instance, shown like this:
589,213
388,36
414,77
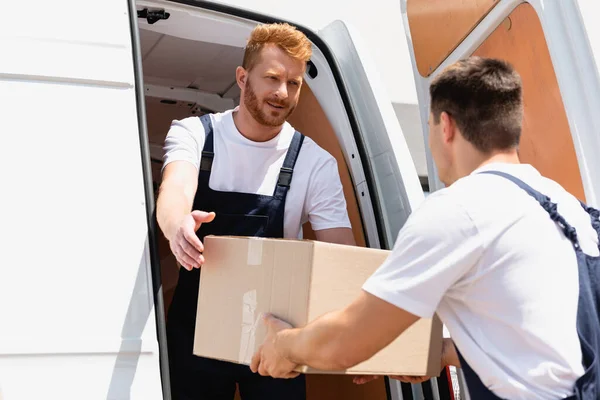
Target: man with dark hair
482,96
481,253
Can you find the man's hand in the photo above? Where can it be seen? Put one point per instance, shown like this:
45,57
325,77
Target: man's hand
184,243
362,379
449,357
267,361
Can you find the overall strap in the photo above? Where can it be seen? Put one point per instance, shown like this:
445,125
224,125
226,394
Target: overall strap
546,204
594,217
208,151
287,170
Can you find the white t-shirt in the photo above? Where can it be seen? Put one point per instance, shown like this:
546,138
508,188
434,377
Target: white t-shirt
241,165
501,276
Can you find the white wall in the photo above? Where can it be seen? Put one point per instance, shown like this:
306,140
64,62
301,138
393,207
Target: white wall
379,23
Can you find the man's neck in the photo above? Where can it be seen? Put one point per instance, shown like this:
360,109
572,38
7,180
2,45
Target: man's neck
511,157
474,161
251,129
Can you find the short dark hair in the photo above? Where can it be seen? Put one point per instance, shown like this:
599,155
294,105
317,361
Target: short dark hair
484,97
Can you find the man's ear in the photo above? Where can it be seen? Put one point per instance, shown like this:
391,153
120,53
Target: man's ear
448,127
241,76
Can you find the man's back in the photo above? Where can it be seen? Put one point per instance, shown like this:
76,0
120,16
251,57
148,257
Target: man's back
531,270
501,276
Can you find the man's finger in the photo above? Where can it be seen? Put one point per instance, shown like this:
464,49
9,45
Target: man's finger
186,260
362,379
262,370
266,317
272,322
202,217
255,361
191,237
191,251
410,379
291,375
267,320
286,375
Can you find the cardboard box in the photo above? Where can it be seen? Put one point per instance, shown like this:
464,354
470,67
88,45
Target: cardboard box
297,281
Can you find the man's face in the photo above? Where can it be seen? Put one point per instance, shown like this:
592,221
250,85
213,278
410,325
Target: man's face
439,149
272,87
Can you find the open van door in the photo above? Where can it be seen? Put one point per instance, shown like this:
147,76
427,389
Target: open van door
77,316
392,178
553,45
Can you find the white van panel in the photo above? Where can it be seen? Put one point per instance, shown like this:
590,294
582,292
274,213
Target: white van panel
70,40
76,217
326,90
69,62
76,300
71,21
396,179
55,377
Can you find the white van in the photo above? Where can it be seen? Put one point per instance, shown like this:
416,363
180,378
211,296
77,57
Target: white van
87,93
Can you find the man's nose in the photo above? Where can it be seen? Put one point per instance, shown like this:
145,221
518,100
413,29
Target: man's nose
282,91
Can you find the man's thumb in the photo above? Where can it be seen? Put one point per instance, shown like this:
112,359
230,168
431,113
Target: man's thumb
267,319
202,217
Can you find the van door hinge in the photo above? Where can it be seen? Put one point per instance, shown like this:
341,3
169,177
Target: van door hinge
153,16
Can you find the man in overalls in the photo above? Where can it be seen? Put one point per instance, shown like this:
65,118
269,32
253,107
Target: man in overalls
244,172
499,262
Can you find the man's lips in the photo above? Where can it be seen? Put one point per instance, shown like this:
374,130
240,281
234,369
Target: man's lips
275,105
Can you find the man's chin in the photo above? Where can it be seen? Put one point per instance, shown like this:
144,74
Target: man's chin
276,117
271,120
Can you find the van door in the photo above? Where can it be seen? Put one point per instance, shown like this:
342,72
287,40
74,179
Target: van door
76,295
394,181
545,42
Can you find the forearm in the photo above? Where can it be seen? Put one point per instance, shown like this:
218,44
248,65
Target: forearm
171,207
449,354
320,345
336,235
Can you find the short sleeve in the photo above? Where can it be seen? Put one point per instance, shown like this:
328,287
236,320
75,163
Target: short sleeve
438,245
184,141
325,201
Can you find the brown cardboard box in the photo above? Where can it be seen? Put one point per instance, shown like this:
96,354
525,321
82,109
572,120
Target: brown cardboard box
296,281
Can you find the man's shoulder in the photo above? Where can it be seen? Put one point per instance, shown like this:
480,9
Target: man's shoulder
314,154
442,202
219,119
192,124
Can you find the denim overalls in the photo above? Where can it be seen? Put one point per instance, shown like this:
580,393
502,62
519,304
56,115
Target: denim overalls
240,214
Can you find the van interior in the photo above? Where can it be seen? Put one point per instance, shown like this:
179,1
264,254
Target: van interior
189,63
